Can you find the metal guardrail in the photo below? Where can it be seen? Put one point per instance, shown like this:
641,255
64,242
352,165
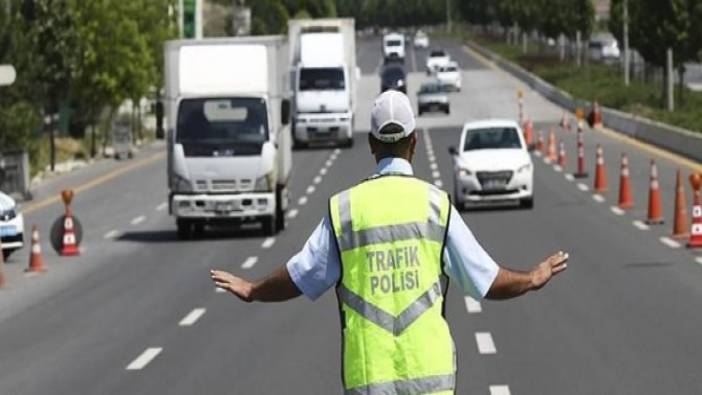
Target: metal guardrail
14,174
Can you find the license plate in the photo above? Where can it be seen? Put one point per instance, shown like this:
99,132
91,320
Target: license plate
8,231
494,185
224,207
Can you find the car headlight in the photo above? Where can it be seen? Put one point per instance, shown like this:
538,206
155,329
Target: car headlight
524,168
400,82
181,184
463,172
265,183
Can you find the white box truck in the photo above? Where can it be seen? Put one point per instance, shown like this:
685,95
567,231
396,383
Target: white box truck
229,146
324,79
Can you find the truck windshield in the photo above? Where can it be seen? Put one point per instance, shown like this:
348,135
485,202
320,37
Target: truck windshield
222,127
393,43
492,138
319,79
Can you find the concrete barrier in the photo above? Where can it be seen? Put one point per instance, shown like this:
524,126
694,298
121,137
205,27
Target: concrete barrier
681,141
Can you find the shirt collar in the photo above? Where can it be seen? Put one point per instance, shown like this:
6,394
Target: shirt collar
394,165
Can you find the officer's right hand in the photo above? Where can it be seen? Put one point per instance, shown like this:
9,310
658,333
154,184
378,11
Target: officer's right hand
236,285
553,265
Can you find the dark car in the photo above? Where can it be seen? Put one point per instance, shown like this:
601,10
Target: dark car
394,77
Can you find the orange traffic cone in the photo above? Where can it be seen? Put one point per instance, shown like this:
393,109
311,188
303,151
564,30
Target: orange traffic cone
581,173
696,228
540,142
680,229
562,156
70,245
552,155
36,263
600,171
626,199
655,209
529,133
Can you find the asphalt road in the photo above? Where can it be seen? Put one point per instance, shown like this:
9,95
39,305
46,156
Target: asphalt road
136,313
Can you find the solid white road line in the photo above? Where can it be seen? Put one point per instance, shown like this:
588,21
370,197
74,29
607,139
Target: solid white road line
641,225
113,234
293,213
268,243
310,190
192,317
220,290
499,390
142,360
699,260
616,210
569,177
472,305
669,242
162,206
439,183
485,343
302,201
249,262
598,198
583,187
435,174
138,220
557,168
317,180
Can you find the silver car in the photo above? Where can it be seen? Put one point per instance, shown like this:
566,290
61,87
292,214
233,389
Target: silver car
432,97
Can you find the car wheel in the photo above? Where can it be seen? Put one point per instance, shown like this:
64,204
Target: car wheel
460,206
527,203
6,254
279,213
447,110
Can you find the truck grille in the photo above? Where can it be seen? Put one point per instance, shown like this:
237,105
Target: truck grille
491,176
241,185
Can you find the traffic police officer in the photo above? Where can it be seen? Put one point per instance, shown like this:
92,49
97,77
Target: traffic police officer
389,245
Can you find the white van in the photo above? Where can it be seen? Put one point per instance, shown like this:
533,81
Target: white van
394,46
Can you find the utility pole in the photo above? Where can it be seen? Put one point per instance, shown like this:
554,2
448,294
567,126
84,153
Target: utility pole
670,102
625,20
448,15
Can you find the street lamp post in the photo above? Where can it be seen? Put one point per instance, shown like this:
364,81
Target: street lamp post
625,19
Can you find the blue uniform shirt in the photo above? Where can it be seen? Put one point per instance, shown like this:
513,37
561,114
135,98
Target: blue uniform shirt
316,268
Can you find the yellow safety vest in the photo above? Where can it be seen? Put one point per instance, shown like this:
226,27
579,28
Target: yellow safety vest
390,231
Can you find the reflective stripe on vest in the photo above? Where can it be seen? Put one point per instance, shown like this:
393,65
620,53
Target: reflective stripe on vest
390,232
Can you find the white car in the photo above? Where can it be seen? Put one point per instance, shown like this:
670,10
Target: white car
11,225
421,40
492,164
450,76
394,46
437,58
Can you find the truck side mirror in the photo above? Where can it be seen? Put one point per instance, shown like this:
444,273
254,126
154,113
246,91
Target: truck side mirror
285,112
452,150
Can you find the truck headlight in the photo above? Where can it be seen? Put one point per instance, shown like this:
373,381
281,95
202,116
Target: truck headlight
265,183
524,168
400,82
462,172
181,184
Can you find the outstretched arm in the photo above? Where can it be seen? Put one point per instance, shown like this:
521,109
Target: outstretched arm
511,283
276,287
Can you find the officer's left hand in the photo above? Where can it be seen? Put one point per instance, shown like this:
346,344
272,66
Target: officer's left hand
229,282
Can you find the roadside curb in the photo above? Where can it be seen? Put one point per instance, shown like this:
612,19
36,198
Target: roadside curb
678,140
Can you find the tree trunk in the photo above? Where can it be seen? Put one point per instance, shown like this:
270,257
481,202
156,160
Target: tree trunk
681,84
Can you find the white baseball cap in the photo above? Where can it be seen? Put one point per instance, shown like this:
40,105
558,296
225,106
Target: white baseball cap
392,107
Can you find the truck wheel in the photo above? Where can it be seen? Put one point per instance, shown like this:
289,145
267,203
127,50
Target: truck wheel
198,230
279,213
348,143
268,225
184,229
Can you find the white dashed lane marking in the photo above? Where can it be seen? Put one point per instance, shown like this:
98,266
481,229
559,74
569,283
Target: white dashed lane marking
669,242
569,177
293,213
433,166
192,317
142,360
699,260
162,206
583,187
113,234
598,198
323,171
249,262
435,174
472,305
317,180
640,225
557,169
302,201
485,343
328,163
616,210
310,190
438,183
499,390
138,220
268,243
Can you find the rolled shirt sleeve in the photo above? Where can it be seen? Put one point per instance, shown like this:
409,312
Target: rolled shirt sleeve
316,268
465,260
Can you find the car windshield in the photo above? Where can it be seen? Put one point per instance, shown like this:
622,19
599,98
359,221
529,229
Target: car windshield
393,43
437,54
449,69
320,79
492,138
430,88
222,126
